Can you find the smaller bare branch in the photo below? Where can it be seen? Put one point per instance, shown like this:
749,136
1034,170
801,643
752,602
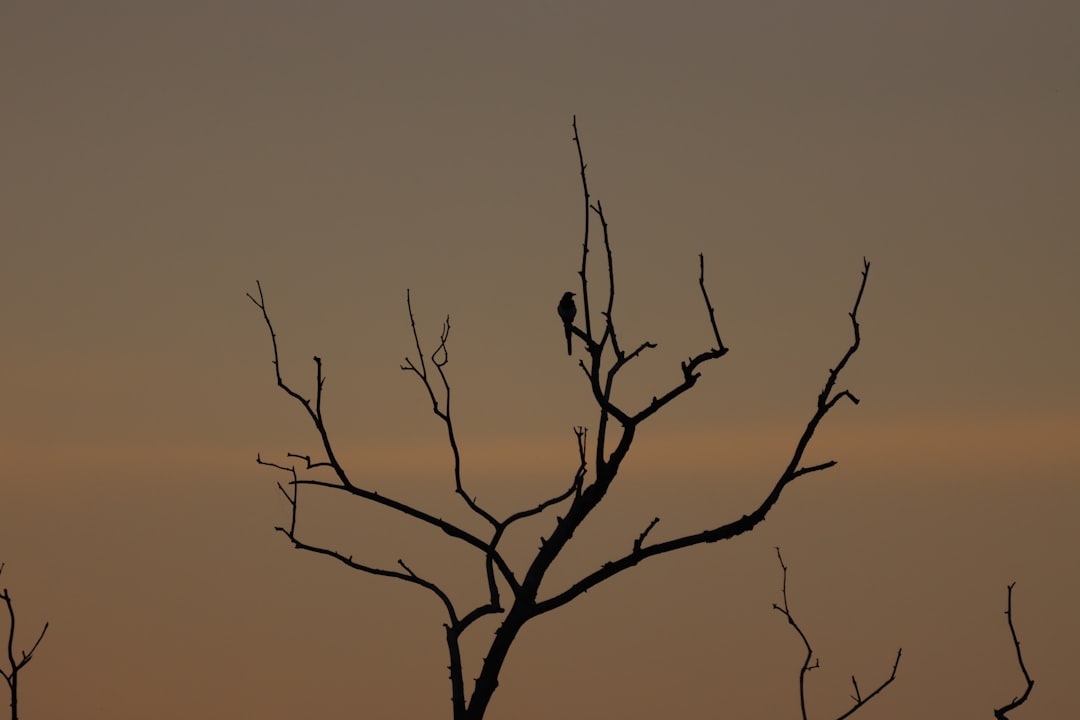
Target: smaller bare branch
315,413
285,493
690,366
477,613
581,433
840,396
575,487
585,241
834,374
407,576
621,357
439,358
1000,713
422,370
807,667
640,348
644,534
609,332
291,499
11,674
307,460
267,463
859,703
261,304
708,305
786,612
609,324
410,576
812,469
439,592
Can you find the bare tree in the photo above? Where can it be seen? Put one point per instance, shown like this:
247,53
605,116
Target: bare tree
518,594
1000,713
11,674
858,698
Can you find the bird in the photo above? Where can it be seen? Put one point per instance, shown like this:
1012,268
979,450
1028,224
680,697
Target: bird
567,311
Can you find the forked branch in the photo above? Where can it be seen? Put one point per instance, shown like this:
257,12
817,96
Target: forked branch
440,358
827,400
785,610
602,372
15,664
430,370
315,413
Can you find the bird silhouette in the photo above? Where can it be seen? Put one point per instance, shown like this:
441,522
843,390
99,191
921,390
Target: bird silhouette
568,311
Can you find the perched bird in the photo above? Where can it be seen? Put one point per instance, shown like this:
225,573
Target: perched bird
567,311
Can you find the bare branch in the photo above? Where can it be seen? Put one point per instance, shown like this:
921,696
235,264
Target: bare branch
708,305
807,667
860,701
585,241
1001,712
609,324
744,524
408,576
315,413
645,533
690,366
442,413
15,664
307,461
786,612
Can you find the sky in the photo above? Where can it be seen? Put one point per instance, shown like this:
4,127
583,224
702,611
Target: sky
160,158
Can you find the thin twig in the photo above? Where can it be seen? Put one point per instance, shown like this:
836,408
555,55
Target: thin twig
1000,713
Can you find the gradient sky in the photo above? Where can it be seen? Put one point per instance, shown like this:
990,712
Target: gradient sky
158,158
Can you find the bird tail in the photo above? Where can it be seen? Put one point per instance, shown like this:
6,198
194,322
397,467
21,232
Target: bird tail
569,343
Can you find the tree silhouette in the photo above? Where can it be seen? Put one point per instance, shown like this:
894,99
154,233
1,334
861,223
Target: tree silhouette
518,594
11,674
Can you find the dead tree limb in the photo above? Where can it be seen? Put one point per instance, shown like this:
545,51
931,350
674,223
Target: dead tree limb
1001,712
11,674
616,426
785,610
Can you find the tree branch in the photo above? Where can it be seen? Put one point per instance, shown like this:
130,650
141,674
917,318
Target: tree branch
444,415
786,612
575,485
807,667
826,402
315,413
585,241
1000,713
447,527
11,674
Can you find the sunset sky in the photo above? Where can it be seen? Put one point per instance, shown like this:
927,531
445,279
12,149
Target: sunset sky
157,159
